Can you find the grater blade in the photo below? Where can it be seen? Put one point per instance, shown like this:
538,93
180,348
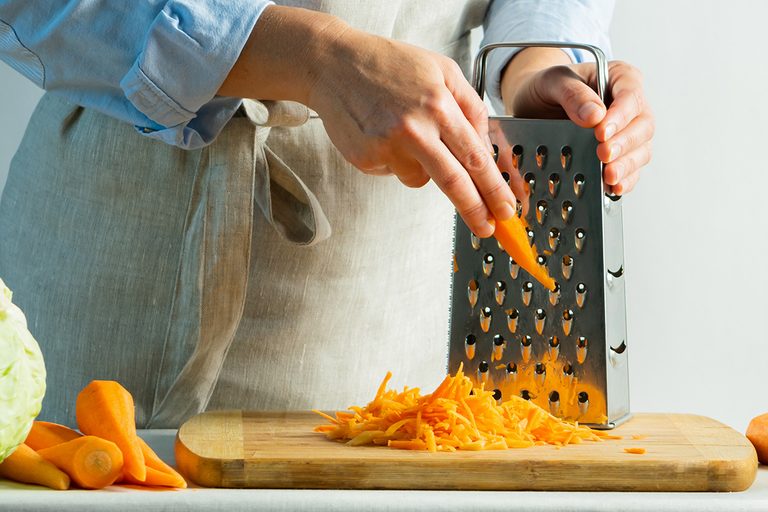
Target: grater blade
564,349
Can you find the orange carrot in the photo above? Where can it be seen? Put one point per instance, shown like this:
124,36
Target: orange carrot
91,462
44,434
105,409
512,235
454,417
636,451
157,478
27,466
158,472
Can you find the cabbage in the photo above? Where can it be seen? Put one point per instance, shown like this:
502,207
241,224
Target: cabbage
22,375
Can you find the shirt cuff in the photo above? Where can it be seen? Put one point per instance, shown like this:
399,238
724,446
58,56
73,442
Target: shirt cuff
189,50
575,22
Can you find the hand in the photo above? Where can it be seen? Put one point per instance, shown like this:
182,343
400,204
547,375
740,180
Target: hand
624,130
392,108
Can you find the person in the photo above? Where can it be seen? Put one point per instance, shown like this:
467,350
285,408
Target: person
208,202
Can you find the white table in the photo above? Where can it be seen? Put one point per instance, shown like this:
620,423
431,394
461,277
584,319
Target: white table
22,498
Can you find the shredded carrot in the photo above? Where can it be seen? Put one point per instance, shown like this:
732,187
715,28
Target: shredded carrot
454,417
637,451
638,436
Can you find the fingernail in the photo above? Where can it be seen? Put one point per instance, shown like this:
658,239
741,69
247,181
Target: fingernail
614,152
506,211
588,110
491,225
610,130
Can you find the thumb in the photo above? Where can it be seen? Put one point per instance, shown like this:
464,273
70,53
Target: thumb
561,85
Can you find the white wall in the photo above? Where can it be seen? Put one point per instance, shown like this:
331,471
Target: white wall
695,230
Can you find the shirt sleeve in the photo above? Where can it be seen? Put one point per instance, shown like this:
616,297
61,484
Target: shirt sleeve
156,64
576,21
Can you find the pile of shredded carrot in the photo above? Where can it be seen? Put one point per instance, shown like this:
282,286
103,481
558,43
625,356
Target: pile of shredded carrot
454,417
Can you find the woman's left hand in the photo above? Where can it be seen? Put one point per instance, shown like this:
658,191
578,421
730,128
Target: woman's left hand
624,130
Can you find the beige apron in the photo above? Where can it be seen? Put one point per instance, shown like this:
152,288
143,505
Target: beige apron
261,272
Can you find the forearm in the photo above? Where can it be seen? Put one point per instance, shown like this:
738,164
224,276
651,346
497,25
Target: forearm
280,60
523,66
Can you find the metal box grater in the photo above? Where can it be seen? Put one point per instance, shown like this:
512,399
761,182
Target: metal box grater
565,350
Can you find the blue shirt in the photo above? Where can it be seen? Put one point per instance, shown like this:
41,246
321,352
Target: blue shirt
158,64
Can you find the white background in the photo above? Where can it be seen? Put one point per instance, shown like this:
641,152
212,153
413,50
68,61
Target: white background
696,237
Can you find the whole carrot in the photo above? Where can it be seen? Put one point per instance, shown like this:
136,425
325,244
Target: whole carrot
105,409
44,434
27,466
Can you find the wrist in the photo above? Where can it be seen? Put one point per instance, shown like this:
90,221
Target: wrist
282,57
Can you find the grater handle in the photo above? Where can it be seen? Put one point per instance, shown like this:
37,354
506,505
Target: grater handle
478,76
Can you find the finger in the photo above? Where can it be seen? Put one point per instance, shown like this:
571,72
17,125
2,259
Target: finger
382,170
561,85
469,102
455,183
637,133
628,101
627,184
408,171
622,168
468,149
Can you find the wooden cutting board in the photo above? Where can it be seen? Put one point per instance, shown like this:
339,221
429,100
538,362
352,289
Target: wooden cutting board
279,450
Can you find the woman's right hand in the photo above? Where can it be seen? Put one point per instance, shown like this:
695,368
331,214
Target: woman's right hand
393,108
389,107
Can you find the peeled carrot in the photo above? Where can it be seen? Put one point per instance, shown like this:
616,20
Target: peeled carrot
105,409
27,466
512,235
757,433
158,472
453,417
44,434
91,462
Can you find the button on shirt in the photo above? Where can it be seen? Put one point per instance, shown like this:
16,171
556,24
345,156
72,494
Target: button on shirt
158,64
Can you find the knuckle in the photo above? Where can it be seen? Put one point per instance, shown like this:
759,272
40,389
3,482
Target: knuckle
452,183
474,209
475,160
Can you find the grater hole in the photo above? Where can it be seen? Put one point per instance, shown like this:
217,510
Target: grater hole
514,268
581,349
483,367
540,368
554,295
530,182
470,343
540,317
580,239
512,317
541,211
567,321
475,241
568,369
485,318
531,235
527,292
505,175
498,340
554,396
500,292
526,341
566,156
517,156
583,397
581,342
495,152
554,341
511,368
541,260
578,184
581,294
498,348
567,267
554,185
497,394
525,394
567,211
487,264
554,239
621,348
541,156
473,290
